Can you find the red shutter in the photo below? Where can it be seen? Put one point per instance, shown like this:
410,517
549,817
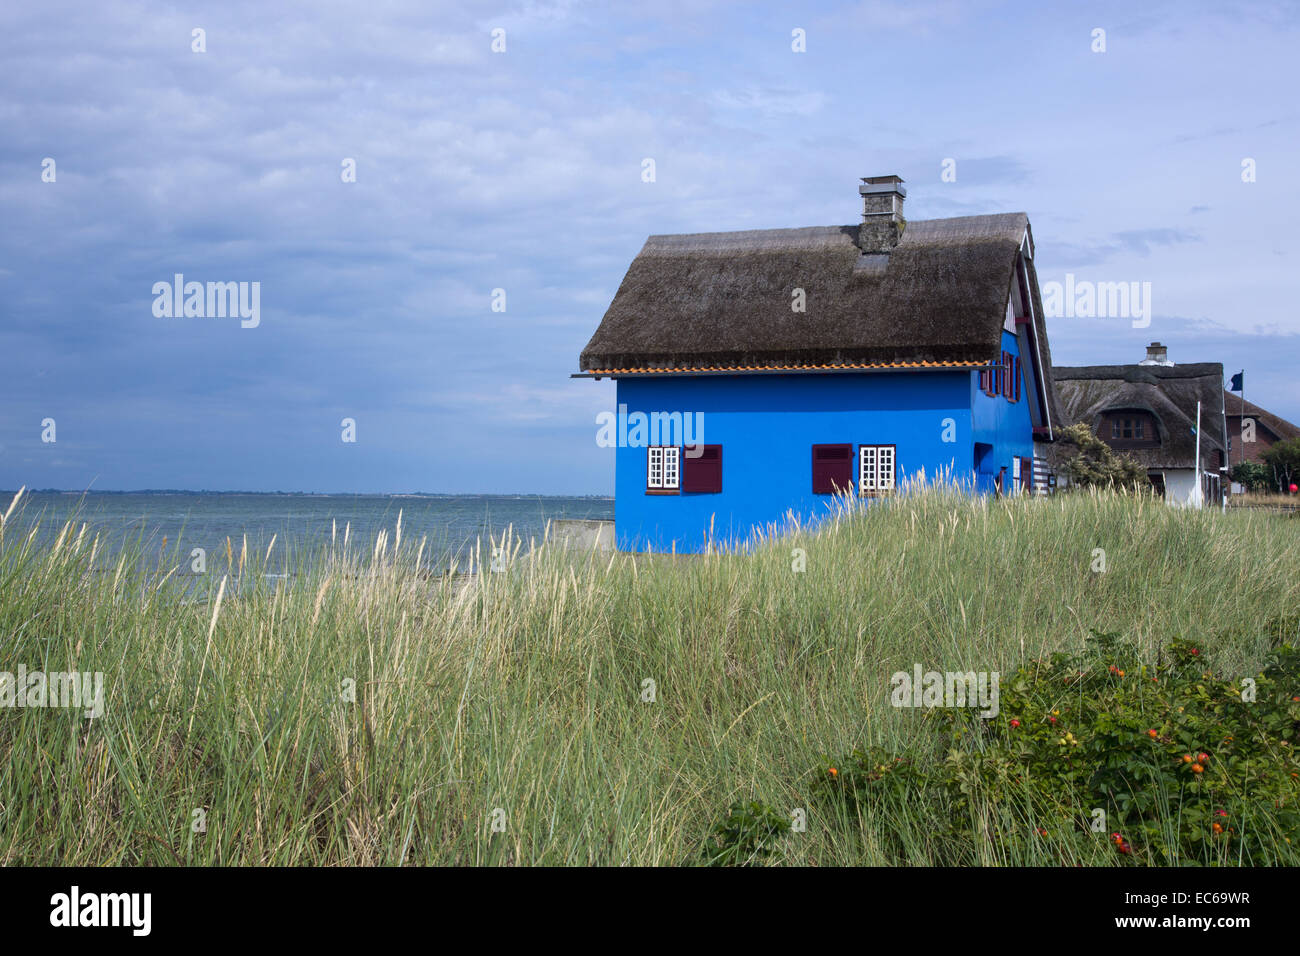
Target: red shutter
702,475
832,468
1016,388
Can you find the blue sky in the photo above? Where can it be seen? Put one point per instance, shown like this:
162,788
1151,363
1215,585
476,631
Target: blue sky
522,171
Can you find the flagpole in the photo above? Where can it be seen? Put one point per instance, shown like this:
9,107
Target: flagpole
1242,418
1225,470
1200,497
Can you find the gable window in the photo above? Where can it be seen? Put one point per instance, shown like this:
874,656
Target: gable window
1127,428
703,473
875,470
663,468
990,381
1009,377
832,469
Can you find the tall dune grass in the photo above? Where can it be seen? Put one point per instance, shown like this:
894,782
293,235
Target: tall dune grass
523,691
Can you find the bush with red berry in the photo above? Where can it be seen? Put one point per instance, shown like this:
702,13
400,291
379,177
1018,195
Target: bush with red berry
1185,764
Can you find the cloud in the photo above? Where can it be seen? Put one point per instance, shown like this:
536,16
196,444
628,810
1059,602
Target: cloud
770,101
1120,245
1141,241
522,171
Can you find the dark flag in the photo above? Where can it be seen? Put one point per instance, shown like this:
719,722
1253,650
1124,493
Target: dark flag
1237,384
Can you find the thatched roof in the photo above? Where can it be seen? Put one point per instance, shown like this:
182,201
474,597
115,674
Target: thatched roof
1280,427
723,300
1169,393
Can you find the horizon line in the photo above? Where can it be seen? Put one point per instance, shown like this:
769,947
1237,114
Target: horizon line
319,494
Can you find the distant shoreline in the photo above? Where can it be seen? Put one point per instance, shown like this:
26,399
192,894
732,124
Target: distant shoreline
305,494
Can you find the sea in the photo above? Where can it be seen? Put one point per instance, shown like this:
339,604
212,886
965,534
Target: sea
301,523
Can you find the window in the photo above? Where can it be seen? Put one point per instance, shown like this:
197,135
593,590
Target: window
1157,479
1012,363
1022,476
832,468
875,470
1127,428
1009,377
662,472
703,474
1003,378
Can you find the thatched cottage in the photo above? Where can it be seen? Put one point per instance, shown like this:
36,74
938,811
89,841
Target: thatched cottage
1253,430
1148,410
760,372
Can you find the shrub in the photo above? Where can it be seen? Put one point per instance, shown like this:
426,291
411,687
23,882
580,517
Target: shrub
1186,765
747,835
1097,464
1283,461
1253,475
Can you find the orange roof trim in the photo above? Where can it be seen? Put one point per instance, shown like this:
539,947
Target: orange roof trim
778,368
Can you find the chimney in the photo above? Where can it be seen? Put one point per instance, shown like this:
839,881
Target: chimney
1157,354
882,213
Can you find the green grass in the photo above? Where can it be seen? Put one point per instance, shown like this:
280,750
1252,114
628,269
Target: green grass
523,690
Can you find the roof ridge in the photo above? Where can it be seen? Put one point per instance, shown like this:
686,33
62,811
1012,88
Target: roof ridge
912,224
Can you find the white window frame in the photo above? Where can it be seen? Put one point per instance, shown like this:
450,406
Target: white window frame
663,468
877,470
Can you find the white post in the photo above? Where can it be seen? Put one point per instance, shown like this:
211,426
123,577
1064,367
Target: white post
1200,497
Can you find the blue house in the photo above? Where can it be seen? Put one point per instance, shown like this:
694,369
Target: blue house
761,373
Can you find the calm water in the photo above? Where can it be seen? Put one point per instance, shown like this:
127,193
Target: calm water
301,522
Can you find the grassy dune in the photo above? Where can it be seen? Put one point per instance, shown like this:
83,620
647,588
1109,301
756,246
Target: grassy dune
523,690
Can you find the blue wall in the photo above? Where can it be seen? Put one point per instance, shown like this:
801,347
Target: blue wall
767,425
1004,425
